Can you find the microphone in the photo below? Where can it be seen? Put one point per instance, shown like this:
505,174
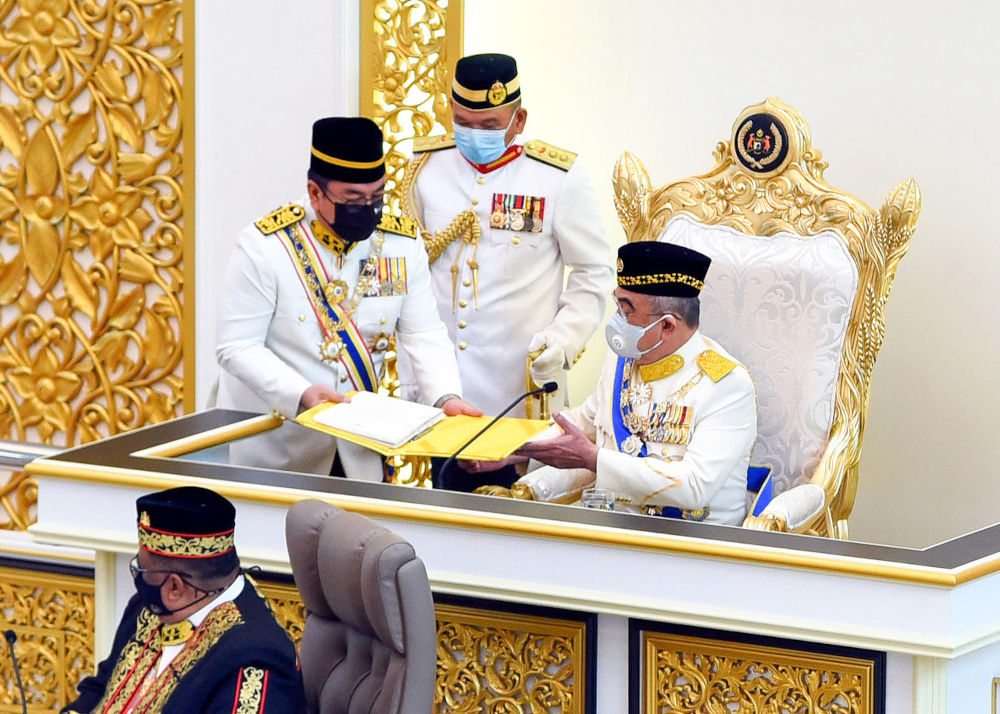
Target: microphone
546,388
11,639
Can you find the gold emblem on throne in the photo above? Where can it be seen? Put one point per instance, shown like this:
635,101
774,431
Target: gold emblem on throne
497,93
336,291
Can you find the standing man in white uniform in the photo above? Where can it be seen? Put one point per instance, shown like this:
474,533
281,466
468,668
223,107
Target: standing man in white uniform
674,418
502,223
315,294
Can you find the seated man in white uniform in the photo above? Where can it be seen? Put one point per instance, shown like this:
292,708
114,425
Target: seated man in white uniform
674,418
315,293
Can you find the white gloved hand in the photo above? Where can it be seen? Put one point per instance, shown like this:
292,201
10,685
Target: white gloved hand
548,366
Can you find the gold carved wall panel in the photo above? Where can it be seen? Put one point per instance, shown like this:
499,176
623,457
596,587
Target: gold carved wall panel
691,675
53,617
490,661
408,51
95,214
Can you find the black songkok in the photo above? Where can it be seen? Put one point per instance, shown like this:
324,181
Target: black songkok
485,82
661,269
347,149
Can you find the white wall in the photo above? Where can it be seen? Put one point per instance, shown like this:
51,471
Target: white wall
891,89
263,74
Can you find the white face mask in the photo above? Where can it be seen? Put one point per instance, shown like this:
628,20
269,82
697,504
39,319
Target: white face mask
623,337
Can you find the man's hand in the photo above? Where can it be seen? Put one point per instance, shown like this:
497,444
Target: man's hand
483,467
319,393
548,366
455,406
570,450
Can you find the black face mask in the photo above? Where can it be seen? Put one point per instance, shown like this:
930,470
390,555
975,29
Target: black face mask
356,222
149,595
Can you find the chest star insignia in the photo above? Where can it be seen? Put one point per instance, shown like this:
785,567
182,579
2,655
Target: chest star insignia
715,365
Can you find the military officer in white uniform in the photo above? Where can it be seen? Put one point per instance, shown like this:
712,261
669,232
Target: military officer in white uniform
502,222
674,418
315,293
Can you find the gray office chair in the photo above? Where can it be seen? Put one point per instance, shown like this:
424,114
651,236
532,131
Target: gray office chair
369,643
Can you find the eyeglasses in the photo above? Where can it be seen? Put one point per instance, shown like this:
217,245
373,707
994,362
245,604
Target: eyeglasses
134,570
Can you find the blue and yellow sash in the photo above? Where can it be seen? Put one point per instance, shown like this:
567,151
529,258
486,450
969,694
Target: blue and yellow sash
335,321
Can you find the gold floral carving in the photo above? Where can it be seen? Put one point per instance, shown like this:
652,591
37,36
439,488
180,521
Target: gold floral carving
409,48
19,498
798,200
53,617
91,217
490,661
286,604
694,675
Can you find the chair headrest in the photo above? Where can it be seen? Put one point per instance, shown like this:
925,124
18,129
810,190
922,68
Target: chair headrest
345,567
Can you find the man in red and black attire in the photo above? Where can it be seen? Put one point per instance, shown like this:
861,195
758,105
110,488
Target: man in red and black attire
197,638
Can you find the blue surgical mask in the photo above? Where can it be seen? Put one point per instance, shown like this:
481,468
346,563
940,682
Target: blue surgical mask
623,337
481,146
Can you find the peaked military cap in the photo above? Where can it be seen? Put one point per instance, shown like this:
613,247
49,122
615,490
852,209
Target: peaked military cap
347,149
486,82
661,269
186,522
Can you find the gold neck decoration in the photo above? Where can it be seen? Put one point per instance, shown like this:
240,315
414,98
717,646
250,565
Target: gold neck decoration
176,633
661,368
328,238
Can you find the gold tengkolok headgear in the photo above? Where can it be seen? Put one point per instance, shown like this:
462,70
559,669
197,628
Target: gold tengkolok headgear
186,522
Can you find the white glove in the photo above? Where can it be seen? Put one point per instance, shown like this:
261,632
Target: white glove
548,366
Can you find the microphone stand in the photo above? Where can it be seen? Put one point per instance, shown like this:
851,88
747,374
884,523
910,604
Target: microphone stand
546,388
11,637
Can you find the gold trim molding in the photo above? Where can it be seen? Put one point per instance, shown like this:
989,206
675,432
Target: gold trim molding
408,51
689,675
96,199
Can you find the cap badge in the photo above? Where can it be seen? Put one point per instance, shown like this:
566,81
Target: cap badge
497,93
144,519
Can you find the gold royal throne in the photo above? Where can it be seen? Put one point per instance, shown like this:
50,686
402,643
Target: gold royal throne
800,276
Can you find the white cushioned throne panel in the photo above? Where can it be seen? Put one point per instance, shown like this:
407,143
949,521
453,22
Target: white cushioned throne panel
781,305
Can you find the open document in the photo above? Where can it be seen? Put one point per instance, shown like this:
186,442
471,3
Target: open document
394,427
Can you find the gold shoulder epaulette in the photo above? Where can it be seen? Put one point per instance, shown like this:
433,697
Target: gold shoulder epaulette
715,365
432,143
400,225
549,154
284,216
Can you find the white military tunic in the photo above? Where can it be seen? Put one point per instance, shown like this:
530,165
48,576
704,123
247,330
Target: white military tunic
536,219
710,470
269,336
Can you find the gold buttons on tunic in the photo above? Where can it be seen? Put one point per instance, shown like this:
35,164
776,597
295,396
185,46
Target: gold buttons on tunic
463,303
343,378
302,318
466,282
516,240
461,324
383,321
481,180
462,345
475,202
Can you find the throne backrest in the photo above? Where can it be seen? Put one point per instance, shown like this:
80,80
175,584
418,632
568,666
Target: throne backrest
797,289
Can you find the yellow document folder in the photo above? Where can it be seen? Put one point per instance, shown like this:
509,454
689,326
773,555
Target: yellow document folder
446,437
